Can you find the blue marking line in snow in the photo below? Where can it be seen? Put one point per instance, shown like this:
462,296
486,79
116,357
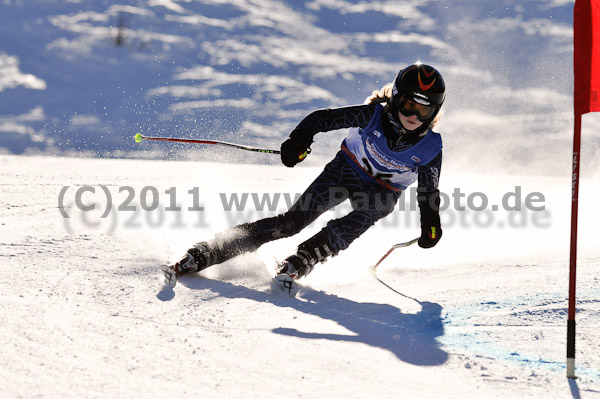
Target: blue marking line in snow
473,327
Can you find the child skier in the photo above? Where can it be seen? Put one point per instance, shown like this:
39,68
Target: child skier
387,149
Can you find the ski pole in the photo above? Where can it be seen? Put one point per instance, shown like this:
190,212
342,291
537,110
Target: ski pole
139,138
373,269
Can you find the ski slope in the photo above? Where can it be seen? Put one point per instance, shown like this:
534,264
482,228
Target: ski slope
483,314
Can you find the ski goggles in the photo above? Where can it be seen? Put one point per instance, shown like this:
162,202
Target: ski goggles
408,106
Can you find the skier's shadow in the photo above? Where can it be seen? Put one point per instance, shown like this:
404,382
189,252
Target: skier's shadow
412,337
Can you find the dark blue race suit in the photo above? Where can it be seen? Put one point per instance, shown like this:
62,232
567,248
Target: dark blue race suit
373,167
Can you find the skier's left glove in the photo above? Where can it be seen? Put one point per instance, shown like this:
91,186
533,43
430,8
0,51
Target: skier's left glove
430,235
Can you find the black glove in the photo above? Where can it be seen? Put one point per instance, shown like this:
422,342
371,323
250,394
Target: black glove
431,229
430,236
296,148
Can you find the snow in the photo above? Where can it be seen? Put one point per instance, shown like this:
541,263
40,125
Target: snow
483,314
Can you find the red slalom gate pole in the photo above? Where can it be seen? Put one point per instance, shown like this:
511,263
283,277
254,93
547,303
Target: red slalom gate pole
586,98
573,254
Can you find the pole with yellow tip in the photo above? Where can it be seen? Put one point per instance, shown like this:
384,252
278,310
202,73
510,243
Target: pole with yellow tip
140,137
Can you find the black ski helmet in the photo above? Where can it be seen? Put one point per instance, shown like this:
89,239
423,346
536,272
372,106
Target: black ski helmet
422,83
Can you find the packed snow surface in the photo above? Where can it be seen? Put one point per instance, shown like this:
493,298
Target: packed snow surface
483,314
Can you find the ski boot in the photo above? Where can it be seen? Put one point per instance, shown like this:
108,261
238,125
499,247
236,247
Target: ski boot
291,269
197,258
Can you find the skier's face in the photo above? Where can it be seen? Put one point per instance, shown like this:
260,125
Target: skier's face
410,122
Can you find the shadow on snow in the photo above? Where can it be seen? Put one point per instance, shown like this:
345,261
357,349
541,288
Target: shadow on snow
411,337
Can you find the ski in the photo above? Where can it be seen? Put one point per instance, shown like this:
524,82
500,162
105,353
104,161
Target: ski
281,283
169,277
285,284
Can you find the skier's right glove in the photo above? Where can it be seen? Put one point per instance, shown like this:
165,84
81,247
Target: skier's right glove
297,147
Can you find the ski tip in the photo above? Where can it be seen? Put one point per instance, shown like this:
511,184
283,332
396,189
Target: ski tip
286,285
169,278
138,138
373,270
